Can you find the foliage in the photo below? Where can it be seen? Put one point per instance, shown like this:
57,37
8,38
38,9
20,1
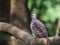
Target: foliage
48,11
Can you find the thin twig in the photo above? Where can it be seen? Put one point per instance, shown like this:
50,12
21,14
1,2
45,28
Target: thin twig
58,25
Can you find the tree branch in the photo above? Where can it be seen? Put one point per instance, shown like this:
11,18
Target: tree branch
13,30
18,33
58,26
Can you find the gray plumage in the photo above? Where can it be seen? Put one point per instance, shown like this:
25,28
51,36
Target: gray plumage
37,27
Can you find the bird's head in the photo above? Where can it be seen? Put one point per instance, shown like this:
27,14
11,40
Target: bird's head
33,16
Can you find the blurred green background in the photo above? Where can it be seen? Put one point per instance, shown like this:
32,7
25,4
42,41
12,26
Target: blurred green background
48,11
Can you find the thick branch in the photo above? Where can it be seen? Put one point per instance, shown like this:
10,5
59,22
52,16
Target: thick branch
18,33
53,41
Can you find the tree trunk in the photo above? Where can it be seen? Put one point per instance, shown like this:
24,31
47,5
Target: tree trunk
21,16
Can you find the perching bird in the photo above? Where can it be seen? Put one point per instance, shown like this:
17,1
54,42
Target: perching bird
37,27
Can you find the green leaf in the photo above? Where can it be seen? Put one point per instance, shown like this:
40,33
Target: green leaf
35,11
30,3
33,35
38,3
47,3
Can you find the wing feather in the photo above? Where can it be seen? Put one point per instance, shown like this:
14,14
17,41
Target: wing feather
38,27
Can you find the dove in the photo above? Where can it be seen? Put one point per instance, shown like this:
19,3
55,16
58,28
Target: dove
38,28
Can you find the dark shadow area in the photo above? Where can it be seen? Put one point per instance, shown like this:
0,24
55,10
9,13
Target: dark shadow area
4,38
4,17
5,10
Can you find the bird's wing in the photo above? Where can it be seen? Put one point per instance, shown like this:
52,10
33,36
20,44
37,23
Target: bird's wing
37,26
39,23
